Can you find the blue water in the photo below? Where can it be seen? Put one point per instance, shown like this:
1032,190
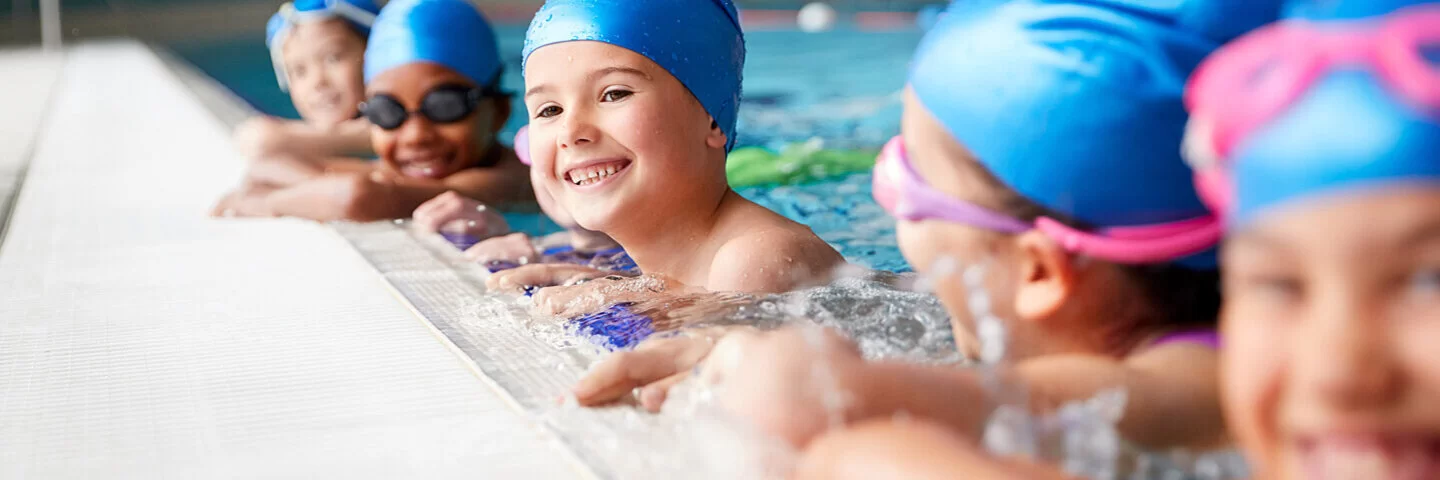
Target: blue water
840,86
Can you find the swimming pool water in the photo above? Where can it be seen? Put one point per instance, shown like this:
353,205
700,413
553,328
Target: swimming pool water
840,87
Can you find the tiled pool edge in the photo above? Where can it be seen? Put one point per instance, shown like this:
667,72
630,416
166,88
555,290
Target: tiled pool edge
445,292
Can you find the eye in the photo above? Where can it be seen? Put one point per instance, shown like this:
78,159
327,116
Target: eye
548,111
332,58
1426,281
1274,288
615,95
297,71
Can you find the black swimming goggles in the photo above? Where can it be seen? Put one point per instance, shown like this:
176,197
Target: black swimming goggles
442,104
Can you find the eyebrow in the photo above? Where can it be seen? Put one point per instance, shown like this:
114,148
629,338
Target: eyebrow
537,89
601,73
618,70
1422,235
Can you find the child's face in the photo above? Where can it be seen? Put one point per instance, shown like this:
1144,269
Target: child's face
323,62
627,131
948,167
1332,337
421,147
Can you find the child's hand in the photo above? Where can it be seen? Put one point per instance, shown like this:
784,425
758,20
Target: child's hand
512,248
243,202
793,383
653,367
259,137
593,295
517,280
451,212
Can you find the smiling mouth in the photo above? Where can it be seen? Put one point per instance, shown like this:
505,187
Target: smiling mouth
328,102
431,167
593,174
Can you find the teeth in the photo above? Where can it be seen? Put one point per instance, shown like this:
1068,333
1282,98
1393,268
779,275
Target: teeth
591,174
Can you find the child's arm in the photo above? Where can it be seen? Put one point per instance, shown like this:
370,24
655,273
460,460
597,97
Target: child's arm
1172,396
905,450
380,195
505,185
267,136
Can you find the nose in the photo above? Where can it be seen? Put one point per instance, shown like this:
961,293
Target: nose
317,80
1344,355
416,131
577,129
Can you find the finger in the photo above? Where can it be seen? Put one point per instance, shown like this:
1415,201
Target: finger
496,281
551,299
653,396
423,212
442,210
510,248
619,374
588,299
509,281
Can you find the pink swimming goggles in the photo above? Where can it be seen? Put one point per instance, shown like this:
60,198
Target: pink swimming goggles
1249,82
901,191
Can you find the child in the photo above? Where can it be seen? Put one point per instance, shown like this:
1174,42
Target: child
431,73
1329,365
481,231
1320,145
1040,142
317,48
633,108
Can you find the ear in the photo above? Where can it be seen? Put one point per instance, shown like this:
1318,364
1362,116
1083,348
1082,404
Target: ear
1046,276
716,138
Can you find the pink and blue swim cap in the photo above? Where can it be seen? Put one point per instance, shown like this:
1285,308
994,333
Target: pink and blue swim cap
698,41
1304,109
360,14
450,33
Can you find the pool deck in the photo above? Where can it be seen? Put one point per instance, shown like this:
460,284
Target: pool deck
140,338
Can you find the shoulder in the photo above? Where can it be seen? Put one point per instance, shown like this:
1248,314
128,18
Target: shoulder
772,260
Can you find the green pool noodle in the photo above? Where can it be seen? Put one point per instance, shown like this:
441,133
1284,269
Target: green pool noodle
796,164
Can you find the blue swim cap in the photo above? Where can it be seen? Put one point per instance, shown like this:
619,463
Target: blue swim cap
1344,9
698,41
360,14
1346,131
450,33
1076,106
1217,20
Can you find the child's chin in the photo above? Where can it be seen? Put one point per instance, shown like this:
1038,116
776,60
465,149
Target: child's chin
596,217
596,221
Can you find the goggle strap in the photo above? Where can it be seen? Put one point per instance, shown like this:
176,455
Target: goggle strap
1137,245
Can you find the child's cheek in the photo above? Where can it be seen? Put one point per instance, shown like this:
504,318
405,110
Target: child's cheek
1252,375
